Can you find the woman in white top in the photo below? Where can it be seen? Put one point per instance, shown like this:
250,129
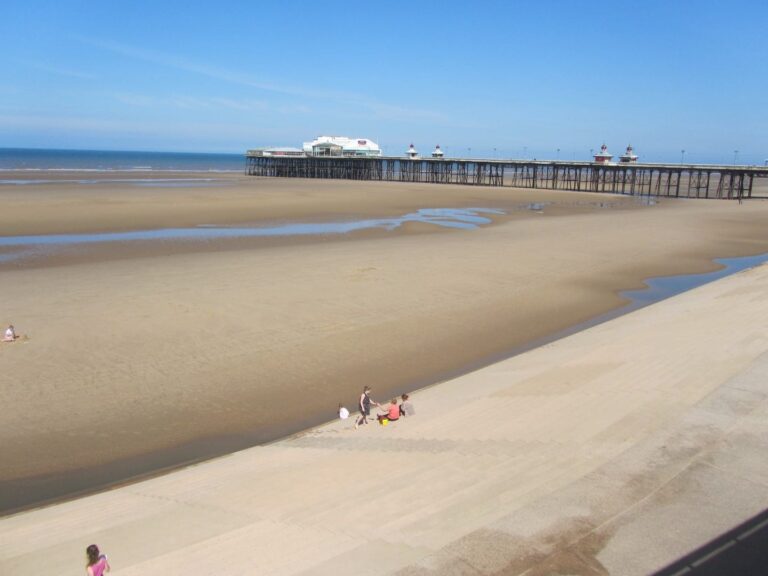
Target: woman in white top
10,334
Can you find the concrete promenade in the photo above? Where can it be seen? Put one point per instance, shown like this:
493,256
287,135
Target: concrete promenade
613,451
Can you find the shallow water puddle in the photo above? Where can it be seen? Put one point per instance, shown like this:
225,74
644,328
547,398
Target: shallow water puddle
466,219
144,182
665,287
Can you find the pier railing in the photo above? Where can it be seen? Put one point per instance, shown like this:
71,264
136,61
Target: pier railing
671,180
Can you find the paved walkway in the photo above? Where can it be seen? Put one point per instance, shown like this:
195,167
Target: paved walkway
616,450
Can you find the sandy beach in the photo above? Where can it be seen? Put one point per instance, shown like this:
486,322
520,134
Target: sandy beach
616,450
146,355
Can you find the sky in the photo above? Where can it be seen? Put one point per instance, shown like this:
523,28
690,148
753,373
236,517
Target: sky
546,79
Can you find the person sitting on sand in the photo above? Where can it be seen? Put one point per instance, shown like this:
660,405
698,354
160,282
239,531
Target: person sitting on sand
343,412
392,413
406,407
97,562
10,334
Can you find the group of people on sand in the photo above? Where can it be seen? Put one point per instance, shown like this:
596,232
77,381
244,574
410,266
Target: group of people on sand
97,564
390,413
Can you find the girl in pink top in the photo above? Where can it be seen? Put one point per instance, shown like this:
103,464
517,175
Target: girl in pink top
97,563
393,412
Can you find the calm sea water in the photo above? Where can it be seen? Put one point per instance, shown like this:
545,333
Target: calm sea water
100,160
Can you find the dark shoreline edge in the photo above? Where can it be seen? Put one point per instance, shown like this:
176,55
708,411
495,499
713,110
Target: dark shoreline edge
34,492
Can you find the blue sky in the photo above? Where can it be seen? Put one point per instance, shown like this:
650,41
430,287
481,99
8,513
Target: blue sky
523,78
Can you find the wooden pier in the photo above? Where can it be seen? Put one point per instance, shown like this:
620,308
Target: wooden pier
670,180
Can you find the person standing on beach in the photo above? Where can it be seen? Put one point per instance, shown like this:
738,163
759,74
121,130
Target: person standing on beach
365,406
97,562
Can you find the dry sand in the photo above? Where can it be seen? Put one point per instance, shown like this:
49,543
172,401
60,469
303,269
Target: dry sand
151,354
614,451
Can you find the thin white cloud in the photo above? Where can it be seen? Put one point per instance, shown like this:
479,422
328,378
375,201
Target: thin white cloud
239,104
181,63
135,100
58,71
73,123
88,125
379,109
190,102
404,114
295,109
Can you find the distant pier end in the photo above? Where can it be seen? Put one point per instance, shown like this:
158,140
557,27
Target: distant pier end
670,180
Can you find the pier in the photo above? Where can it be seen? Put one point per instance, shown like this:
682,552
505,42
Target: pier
669,180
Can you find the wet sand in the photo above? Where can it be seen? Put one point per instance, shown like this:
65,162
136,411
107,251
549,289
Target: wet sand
146,355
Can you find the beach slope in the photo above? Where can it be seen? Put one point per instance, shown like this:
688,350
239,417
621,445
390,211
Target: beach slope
613,451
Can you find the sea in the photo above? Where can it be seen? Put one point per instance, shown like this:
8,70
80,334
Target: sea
105,160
